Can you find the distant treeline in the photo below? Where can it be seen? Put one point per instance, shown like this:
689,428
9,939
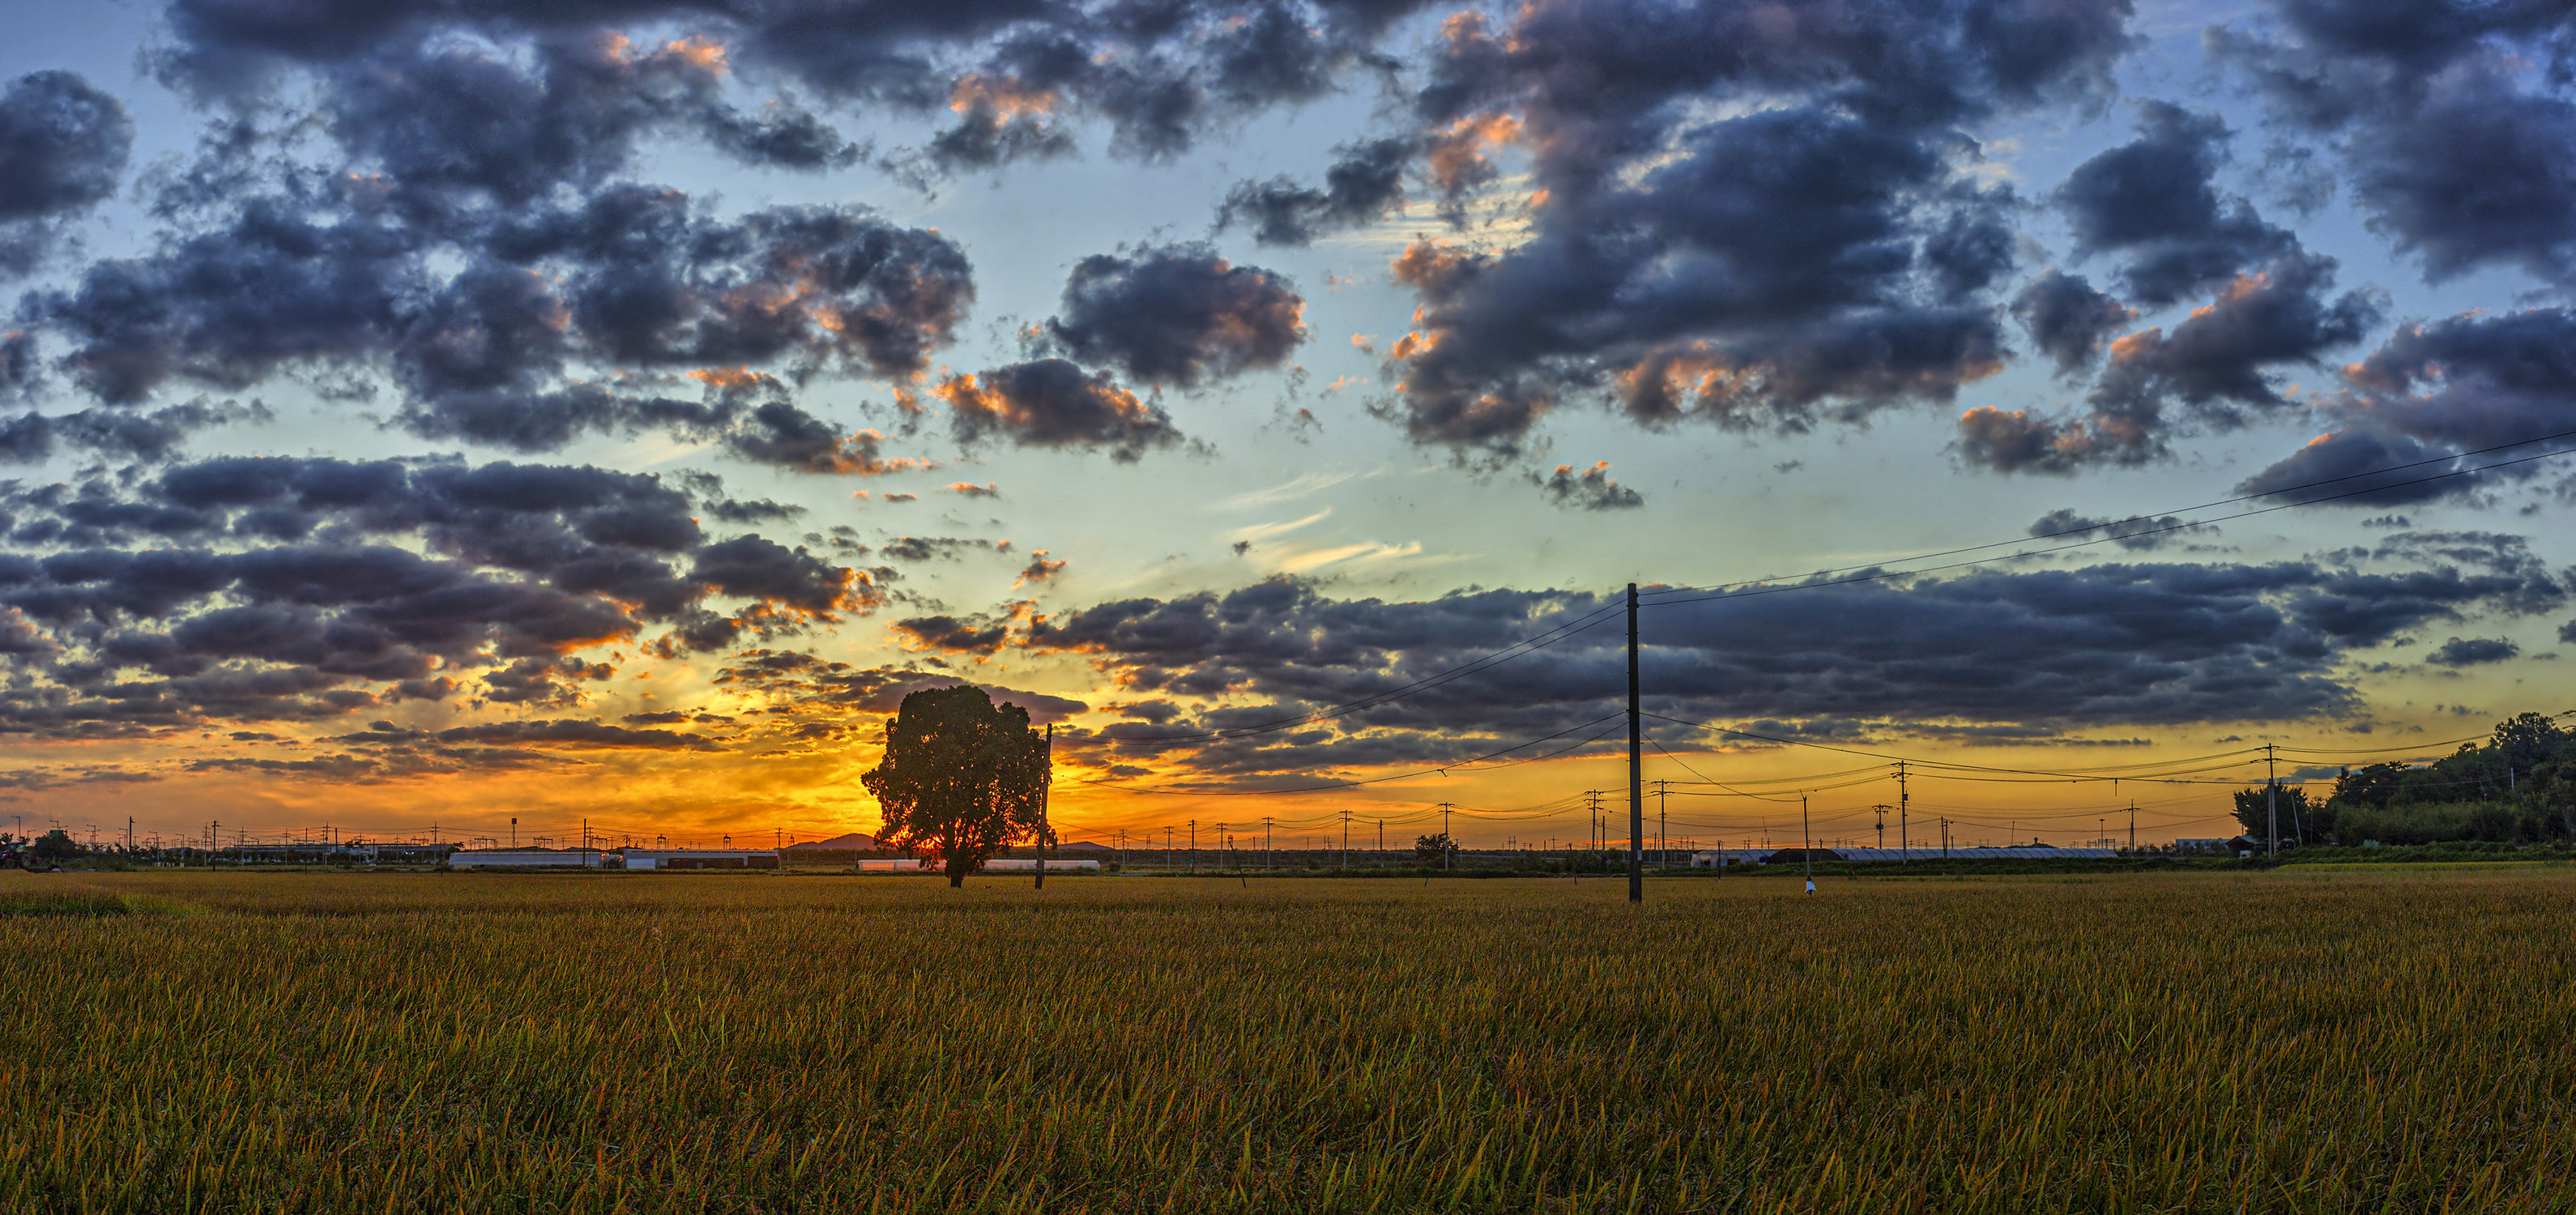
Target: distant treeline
2516,786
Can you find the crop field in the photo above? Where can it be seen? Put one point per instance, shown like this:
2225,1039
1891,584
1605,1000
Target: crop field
2342,1038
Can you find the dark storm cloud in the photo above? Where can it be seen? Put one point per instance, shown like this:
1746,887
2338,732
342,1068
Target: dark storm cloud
2154,200
438,116
1822,257
2136,534
855,697
2432,390
1054,403
227,308
2224,354
2059,650
2215,366
1591,489
63,146
575,735
630,278
653,281
1160,75
953,635
116,434
2068,319
1776,268
2473,651
1363,186
255,589
1177,316
2450,119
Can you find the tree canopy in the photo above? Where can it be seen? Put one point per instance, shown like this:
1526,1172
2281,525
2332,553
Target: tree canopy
961,776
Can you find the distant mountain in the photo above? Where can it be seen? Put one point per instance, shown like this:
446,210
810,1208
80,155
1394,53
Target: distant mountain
853,842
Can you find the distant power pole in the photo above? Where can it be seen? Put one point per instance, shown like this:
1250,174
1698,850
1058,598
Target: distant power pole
1904,845
1807,843
1269,854
1636,768
2271,801
2133,824
1449,843
1346,841
1663,824
1194,845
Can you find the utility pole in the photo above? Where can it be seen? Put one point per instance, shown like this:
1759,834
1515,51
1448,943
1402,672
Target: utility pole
1592,823
1904,840
1945,840
1663,824
1194,845
1346,841
1269,855
2133,824
1636,768
1881,808
1806,843
1167,849
2271,802
1381,844
1448,842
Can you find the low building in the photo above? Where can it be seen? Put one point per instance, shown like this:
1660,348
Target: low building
533,858
699,858
1011,864
1712,858
891,864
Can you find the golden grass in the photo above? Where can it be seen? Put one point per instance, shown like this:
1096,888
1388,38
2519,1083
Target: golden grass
2286,1041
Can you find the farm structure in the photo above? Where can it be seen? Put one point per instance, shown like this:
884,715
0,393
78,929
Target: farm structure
698,858
533,858
1877,856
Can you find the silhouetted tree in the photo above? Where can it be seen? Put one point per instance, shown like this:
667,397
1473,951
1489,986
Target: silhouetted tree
2372,785
961,775
2255,813
52,848
1433,849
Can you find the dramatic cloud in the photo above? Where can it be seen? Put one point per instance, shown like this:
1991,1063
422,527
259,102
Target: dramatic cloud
1363,186
2061,650
2433,390
2133,534
1177,316
1054,403
2215,365
2153,200
276,589
2068,320
2451,119
63,146
2473,651
629,279
1824,255
1592,489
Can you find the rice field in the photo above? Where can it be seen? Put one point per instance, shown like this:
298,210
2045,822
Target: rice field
2329,1039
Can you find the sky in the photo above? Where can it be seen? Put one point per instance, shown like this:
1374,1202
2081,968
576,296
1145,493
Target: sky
491,418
